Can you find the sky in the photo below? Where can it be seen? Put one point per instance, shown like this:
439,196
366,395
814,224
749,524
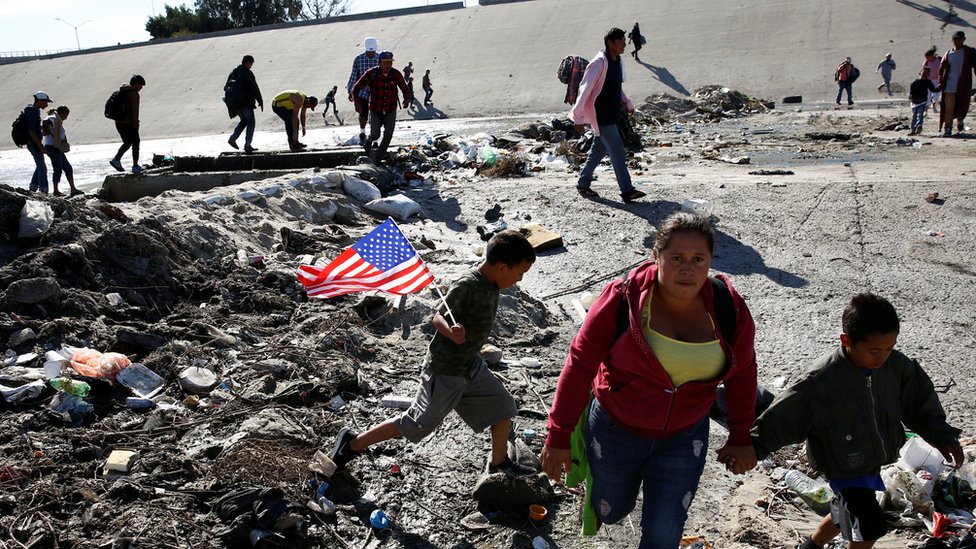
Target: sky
34,26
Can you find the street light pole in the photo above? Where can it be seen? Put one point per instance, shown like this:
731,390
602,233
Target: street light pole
77,42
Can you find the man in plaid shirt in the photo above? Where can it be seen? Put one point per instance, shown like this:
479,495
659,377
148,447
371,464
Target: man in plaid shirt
362,63
382,82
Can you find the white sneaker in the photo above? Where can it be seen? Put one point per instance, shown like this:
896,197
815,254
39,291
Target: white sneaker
138,169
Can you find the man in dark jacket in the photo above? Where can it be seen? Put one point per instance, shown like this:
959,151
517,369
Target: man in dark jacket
128,125
246,94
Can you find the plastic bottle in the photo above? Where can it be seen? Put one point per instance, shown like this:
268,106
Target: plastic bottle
815,492
70,386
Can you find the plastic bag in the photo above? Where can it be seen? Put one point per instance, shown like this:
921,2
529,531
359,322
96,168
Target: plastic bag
487,155
35,219
92,363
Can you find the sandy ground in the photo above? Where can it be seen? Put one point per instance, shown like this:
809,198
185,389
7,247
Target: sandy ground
852,218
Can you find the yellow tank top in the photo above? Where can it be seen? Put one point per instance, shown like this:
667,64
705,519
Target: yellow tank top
683,361
283,99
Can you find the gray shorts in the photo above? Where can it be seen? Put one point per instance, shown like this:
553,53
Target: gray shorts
481,401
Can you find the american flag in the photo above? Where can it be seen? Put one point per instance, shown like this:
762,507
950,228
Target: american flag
381,260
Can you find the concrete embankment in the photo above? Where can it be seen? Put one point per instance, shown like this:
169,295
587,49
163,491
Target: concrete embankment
500,59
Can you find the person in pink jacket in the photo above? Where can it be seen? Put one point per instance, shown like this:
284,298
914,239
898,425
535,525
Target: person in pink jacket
601,97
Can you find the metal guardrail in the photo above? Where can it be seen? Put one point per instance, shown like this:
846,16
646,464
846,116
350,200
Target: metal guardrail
30,54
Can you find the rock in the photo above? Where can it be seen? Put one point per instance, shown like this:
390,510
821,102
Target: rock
33,290
491,354
512,494
21,336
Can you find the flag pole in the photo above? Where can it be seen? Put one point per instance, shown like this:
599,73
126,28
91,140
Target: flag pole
446,306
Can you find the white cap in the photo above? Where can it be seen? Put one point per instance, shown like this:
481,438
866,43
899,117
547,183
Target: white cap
370,44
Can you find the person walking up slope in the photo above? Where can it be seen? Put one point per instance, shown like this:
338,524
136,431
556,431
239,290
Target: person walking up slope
362,63
128,124
885,67
601,97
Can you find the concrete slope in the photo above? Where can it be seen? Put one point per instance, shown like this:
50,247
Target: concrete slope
500,59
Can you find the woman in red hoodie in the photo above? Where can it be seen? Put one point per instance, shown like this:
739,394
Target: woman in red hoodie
653,379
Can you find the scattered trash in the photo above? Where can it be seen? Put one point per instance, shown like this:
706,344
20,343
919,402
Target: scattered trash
695,206
539,542
396,401
541,238
140,380
396,205
771,172
491,229
931,197
70,386
739,160
379,520
36,218
814,492
530,362
322,465
198,380
538,512
22,393
91,363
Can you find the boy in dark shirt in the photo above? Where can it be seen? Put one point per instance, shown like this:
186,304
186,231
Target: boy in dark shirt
852,407
455,376
918,93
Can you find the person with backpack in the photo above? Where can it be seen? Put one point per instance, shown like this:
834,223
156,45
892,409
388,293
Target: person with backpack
35,145
845,75
634,396
382,82
599,104
242,92
56,144
637,40
124,109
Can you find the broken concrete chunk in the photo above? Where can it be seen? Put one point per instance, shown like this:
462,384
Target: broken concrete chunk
120,461
21,336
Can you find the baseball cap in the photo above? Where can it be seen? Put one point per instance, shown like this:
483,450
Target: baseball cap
386,54
959,34
43,96
370,44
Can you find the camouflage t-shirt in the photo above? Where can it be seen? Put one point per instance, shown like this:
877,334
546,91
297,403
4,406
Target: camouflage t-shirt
474,301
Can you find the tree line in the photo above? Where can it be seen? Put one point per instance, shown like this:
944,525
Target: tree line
217,15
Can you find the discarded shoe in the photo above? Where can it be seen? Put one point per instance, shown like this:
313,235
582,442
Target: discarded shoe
342,453
232,143
633,195
511,468
117,164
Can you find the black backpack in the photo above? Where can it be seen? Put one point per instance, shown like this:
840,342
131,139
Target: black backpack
18,130
233,93
117,105
855,74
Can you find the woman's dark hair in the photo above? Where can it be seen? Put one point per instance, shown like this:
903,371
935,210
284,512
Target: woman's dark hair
869,314
931,51
509,247
613,34
683,222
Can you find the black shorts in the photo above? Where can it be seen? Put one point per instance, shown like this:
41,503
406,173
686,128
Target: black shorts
362,105
858,515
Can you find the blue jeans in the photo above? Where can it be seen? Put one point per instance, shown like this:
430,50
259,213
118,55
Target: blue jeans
841,86
918,116
60,164
610,143
38,181
247,121
668,468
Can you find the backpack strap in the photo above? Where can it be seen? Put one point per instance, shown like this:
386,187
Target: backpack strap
724,308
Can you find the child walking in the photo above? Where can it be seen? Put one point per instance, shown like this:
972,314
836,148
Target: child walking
455,376
918,93
852,407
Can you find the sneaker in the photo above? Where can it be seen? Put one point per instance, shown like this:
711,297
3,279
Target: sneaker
117,164
342,454
511,468
633,195
232,142
136,168
362,139
249,149
809,544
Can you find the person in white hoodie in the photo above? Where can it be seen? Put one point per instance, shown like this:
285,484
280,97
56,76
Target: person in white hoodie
601,97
